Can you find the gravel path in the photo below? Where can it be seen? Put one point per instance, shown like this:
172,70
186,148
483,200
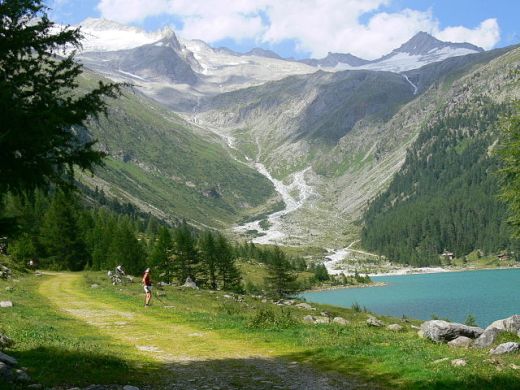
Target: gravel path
194,359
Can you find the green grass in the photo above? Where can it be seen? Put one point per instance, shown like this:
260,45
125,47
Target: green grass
58,349
394,360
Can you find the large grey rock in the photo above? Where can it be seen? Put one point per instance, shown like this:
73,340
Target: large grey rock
189,283
487,338
308,319
340,321
461,342
5,342
443,331
22,376
505,348
510,324
6,304
8,359
395,327
5,370
373,321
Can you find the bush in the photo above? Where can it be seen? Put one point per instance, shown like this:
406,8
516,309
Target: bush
470,320
22,249
265,318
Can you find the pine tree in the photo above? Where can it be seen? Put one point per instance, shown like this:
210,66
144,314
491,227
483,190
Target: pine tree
160,253
227,269
126,250
41,112
281,280
185,257
60,234
210,257
510,172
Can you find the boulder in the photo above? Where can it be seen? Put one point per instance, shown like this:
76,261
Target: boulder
94,285
6,304
22,376
5,370
8,359
443,331
395,327
510,324
304,305
487,338
309,319
340,321
128,387
461,342
321,320
190,284
5,342
505,348
373,321
458,363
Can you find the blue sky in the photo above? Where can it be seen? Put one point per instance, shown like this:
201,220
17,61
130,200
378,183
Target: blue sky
303,28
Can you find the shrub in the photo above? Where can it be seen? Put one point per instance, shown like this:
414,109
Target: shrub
265,318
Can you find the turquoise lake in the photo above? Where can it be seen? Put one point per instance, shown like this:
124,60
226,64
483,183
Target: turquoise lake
488,295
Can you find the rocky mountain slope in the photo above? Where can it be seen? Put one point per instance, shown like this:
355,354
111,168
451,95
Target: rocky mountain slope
347,131
327,141
171,168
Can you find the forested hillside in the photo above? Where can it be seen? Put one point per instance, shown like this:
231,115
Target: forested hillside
446,195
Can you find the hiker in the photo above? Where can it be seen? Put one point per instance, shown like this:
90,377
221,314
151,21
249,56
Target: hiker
147,283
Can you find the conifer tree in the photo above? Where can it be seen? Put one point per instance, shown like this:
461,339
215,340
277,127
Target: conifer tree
227,269
510,172
60,234
210,256
41,112
185,260
281,280
161,251
126,250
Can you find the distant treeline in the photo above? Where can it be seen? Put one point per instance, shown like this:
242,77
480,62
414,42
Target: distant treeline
446,195
87,230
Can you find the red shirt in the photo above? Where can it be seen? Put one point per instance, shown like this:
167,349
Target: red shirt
147,280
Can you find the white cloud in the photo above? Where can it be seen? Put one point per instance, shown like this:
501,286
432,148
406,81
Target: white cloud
317,26
486,35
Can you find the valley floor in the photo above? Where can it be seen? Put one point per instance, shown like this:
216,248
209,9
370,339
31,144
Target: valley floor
76,329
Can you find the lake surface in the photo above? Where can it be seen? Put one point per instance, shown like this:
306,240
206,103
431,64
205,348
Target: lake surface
489,295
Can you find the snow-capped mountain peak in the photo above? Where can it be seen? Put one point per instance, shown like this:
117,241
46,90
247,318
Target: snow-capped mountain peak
107,35
423,43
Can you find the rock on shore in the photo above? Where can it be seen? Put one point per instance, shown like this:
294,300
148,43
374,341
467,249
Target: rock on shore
443,331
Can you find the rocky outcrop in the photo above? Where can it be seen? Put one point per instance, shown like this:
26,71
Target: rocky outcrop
505,348
488,337
443,331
